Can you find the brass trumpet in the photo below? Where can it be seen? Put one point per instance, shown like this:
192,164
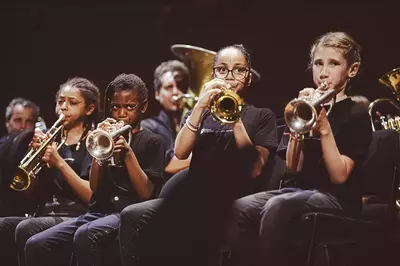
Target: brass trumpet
186,99
100,144
301,113
227,107
31,164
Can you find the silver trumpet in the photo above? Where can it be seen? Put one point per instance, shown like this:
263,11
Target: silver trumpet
100,144
301,113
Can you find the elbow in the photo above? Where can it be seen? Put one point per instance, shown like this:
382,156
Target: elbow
181,155
338,180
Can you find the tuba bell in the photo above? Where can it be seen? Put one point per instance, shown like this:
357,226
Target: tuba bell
228,106
31,164
100,144
301,113
389,110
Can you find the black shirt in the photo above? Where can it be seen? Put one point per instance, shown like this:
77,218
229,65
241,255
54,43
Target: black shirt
56,196
115,190
216,155
351,127
163,126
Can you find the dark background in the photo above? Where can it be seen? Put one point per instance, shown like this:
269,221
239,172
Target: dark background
42,44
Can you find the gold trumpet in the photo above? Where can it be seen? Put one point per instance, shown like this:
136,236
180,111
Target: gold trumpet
301,113
31,164
187,100
227,107
100,144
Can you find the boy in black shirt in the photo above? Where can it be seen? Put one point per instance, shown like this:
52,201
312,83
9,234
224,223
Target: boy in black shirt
114,187
322,170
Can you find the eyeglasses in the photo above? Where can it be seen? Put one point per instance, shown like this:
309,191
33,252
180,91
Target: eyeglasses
237,72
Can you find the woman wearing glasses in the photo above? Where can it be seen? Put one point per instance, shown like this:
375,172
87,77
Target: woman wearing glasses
225,159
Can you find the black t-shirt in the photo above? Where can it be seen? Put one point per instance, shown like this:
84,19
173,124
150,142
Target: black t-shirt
351,127
216,155
56,196
163,126
115,190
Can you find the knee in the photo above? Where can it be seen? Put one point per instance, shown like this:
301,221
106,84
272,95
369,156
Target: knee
277,213
36,249
81,238
23,232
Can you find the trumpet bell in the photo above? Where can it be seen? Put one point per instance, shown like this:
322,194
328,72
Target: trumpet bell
21,180
227,108
300,116
100,145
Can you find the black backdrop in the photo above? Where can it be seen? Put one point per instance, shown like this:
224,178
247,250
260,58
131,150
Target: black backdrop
42,45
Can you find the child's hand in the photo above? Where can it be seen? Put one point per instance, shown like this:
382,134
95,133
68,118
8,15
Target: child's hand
51,156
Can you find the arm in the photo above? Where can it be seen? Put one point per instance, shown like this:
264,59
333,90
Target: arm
175,165
186,138
96,173
81,187
188,134
147,177
294,153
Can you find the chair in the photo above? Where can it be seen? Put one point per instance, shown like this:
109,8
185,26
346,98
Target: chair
378,221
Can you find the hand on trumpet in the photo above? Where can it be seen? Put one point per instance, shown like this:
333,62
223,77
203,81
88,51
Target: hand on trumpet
110,124
52,157
38,138
211,90
122,146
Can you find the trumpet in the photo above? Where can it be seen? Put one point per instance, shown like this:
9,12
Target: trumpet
227,107
186,99
100,144
301,113
31,164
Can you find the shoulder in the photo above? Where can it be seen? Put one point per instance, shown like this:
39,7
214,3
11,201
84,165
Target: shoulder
255,113
149,123
149,137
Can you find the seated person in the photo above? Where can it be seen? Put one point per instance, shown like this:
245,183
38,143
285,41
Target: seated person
91,237
322,168
171,79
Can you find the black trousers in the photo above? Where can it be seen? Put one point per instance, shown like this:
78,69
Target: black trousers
264,227
14,233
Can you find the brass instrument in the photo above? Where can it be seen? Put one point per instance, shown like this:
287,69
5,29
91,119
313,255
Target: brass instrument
31,164
187,100
100,144
390,119
228,106
301,113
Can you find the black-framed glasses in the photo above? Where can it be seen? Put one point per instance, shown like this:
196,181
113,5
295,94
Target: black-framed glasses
237,72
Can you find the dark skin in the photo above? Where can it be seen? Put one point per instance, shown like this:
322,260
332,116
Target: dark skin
125,109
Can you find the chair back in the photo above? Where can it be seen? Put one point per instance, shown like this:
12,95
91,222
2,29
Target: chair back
381,163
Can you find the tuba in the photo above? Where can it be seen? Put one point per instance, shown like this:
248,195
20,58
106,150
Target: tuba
31,164
389,110
301,113
100,144
228,106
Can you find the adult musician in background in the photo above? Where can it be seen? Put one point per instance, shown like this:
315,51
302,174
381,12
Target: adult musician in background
322,169
91,236
184,228
63,191
171,78
20,114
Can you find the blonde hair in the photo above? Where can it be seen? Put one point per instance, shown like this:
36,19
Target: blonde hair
341,41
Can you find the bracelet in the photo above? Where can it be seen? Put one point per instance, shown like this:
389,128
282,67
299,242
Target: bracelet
190,126
296,136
